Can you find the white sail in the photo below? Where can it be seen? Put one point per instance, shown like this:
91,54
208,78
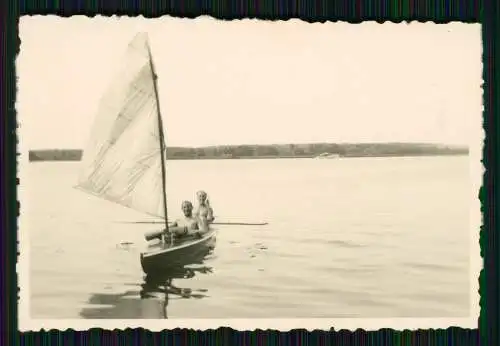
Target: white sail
122,161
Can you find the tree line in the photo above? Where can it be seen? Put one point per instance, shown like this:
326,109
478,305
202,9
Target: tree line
276,151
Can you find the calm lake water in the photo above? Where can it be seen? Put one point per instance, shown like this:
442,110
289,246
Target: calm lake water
366,237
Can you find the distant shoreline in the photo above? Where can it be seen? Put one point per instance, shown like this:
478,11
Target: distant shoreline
278,151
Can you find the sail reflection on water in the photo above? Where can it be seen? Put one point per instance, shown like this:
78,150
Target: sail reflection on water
152,296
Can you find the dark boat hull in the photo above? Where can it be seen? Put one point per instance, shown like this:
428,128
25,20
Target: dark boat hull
163,256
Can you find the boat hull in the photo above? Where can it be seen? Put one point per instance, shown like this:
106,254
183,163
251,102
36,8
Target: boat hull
163,256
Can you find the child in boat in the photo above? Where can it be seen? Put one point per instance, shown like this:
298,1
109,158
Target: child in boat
189,224
204,210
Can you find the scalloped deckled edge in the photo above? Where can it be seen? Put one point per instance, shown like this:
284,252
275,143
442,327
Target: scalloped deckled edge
339,324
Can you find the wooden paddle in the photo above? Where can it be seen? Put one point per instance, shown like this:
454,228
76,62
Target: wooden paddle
157,234
213,223
240,223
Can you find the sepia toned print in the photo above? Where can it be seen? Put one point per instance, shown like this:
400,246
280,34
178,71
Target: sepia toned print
198,173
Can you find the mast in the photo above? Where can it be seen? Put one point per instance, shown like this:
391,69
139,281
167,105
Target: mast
161,137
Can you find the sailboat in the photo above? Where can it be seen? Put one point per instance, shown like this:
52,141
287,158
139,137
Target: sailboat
124,161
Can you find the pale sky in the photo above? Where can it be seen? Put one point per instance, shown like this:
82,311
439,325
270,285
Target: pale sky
257,82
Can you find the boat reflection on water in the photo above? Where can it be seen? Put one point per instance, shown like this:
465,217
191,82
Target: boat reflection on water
151,298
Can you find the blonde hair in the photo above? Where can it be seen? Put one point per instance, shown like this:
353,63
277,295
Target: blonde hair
202,193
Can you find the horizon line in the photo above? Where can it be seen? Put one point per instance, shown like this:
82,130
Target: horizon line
276,144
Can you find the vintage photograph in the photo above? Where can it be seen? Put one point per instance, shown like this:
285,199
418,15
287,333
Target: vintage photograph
255,174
